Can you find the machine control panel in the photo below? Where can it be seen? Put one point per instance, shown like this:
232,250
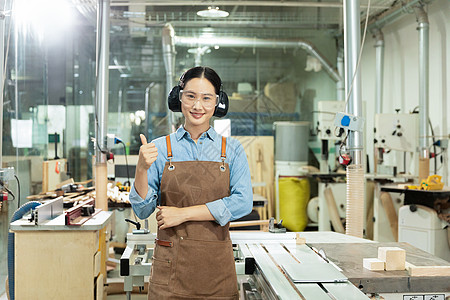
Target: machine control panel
397,131
325,119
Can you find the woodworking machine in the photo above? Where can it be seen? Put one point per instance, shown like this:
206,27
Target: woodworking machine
135,262
306,265
328,266
274,266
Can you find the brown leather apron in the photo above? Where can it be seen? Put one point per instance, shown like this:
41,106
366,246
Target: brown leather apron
193,260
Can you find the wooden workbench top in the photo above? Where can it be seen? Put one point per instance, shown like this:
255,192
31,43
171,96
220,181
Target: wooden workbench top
97,222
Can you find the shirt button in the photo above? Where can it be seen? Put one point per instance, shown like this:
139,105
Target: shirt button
201,143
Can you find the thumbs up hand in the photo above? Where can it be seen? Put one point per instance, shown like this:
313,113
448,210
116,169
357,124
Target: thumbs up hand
147,154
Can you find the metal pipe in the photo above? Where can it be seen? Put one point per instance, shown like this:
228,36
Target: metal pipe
391,15
423,27
352,42
340,85
102,86
355,172
258,43
102,90
2,79
168,49
379,69
147,119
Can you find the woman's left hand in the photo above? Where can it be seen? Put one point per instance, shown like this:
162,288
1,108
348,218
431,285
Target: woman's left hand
169,216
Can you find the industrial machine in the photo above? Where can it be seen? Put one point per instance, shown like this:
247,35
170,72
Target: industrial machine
291,153
395,154
328,266
398,133
326,131
420,226
135,262
332,187
424,219
307,265
6,174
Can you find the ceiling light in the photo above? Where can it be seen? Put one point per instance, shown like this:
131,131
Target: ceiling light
213,12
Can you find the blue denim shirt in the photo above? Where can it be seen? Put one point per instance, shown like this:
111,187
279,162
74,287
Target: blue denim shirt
207,148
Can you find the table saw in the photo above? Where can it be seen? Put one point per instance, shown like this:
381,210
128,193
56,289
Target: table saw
328,266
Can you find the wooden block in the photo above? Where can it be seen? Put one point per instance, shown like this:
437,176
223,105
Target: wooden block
394,258
427,270
300,240
373,264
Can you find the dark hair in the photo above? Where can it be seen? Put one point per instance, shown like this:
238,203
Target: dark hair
199,72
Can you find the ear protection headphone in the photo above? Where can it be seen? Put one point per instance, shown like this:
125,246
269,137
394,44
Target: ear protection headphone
175,103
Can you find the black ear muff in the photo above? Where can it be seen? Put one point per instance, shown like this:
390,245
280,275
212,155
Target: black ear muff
174,99
222,106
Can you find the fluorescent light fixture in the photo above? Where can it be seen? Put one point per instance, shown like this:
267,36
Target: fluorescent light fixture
43,15
213,12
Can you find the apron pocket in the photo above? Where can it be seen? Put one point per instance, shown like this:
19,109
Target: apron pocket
205,268
160,271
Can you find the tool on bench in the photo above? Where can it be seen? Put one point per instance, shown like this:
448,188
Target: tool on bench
80,213
46,211
135,260
276,227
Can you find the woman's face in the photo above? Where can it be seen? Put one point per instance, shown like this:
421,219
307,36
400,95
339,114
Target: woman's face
197,114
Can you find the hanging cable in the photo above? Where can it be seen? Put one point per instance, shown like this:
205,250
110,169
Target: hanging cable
18,191
126,161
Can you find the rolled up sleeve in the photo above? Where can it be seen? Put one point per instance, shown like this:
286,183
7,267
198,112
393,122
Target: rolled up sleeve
240,201
143,208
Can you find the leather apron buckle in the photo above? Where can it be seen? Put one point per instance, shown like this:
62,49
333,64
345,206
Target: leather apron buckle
164,243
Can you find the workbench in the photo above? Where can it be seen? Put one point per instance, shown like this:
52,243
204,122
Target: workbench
349,257
55,261
274,254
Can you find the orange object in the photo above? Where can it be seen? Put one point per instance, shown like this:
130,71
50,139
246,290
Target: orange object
57,168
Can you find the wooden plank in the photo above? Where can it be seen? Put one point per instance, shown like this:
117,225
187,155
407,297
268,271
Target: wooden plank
249,223
333,211
260,156
53,172
389,208
414,270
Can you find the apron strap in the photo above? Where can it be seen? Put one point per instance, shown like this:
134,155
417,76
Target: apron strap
224,148
169,153
169,147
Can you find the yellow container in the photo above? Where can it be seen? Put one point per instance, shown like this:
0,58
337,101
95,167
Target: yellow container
293,197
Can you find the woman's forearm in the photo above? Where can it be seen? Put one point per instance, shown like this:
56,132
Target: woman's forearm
198,213
170,216
141,182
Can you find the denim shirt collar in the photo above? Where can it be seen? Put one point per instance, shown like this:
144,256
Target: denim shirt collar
181,132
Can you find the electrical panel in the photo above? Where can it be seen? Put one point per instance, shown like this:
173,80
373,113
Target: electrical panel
397,131
349,122
325,121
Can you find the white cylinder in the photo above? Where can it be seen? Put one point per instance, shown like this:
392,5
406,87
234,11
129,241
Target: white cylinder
355,201
291,141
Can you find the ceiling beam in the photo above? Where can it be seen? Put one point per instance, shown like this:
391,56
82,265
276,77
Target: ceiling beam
240,3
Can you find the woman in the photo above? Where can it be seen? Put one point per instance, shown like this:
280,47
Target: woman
200,182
